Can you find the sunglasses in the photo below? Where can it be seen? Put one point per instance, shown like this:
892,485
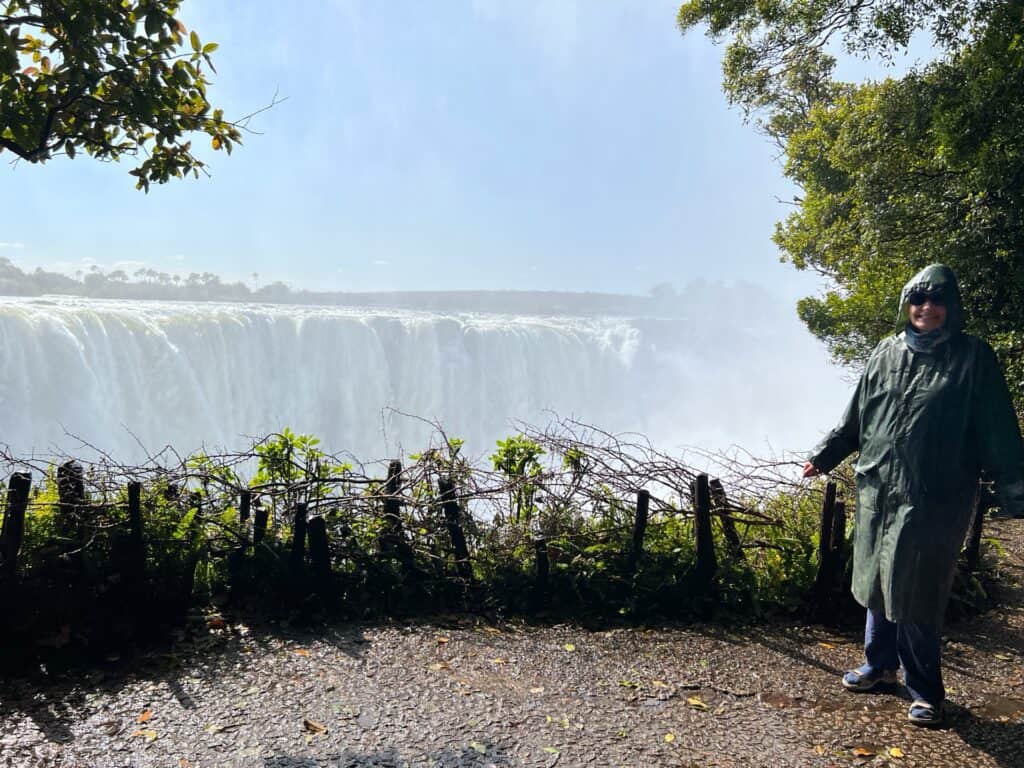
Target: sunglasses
917,298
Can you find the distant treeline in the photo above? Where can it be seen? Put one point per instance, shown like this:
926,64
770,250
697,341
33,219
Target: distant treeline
206,286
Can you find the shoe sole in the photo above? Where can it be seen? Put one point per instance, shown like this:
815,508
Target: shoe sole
860,687
930,722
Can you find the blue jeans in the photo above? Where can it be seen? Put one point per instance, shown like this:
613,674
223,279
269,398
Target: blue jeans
917,647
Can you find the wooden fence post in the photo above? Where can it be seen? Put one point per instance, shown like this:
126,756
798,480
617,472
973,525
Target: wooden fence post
239,567
636,551
71,491
392,529
973,554
14,522
244,513
319,551
838,546
136,544
392,537
298,553
720,503
540,546
824,578
707,563
453,520
259,524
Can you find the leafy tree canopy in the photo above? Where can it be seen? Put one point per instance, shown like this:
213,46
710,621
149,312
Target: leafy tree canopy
110,79
895,174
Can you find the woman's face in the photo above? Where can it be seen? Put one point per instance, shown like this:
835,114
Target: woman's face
927,313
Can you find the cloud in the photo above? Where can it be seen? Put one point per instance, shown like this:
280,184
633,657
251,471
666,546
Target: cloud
16,246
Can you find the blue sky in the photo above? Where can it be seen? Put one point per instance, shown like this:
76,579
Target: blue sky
474,144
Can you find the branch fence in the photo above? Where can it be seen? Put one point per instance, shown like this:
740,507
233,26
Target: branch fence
603,523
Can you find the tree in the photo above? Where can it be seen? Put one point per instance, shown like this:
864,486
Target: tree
893,174
112,79
777,55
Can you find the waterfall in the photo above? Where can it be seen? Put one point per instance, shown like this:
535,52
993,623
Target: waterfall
132,377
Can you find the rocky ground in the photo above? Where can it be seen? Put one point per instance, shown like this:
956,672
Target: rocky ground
462,692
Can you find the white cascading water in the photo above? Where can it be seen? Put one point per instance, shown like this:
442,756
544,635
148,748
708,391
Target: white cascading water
132,377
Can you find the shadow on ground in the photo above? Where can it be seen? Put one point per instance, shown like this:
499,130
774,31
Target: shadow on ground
1002,741
52,694
483,755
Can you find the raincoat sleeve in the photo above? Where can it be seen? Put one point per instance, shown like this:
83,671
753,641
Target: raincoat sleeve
1001,452
844,439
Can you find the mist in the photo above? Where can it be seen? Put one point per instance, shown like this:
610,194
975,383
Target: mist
711,366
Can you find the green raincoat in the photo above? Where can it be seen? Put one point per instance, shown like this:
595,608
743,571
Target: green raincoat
926,424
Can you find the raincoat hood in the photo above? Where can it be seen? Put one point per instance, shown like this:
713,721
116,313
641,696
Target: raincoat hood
936,277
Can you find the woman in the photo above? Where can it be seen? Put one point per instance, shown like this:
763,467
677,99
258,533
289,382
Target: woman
931,411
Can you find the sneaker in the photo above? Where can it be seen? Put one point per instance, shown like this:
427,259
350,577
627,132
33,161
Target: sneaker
865,678
923,713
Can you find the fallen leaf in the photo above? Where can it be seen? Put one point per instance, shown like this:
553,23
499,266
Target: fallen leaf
301,652
478,747
1004,656
437,666
629,684
862,752
145,715
670,737
492,630
216,622
183,763
442,639
569,647
819,749
659,684
148,735
896,752
497,661
313,726
827,645
696,703
538,689
551,750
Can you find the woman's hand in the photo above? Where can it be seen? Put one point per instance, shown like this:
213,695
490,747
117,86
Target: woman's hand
810,470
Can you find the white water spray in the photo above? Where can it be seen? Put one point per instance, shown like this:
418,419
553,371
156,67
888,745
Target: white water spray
132,377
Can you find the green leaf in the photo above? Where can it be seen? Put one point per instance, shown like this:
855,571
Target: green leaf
153,24
138,52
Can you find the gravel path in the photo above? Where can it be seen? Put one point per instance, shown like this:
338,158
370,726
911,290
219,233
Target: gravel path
463,693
